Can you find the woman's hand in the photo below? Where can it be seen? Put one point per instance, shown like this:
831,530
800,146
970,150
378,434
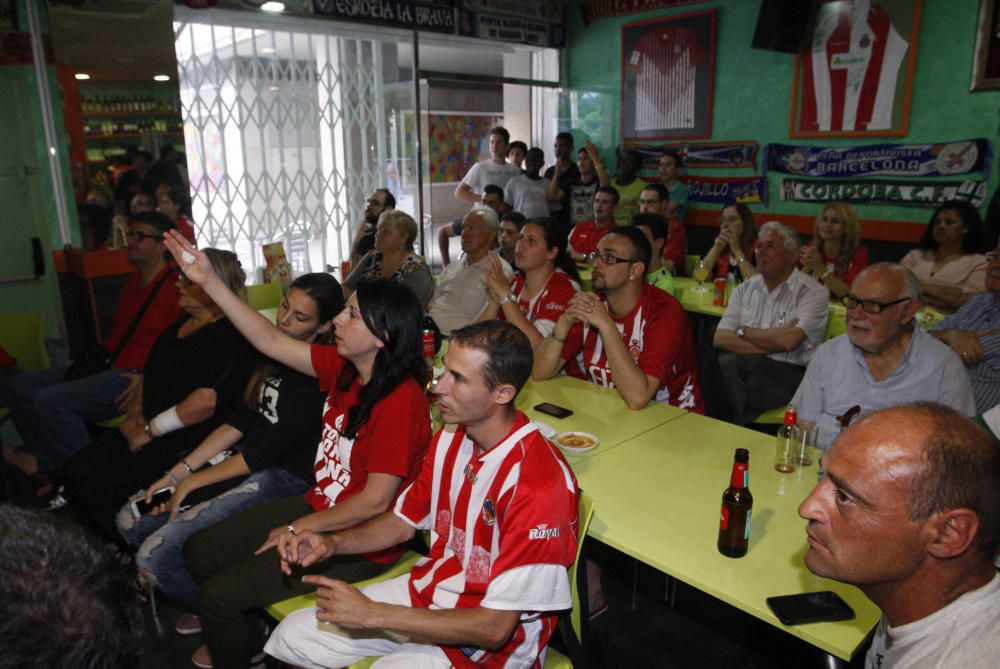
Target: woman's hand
809,257
134,431
497,286
184,488
194,263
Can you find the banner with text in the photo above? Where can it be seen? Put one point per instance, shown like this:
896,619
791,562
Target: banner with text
891,160
511,29
915,194
701,154
725,190
433,15
598,9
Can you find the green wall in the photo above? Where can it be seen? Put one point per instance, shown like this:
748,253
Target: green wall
752,96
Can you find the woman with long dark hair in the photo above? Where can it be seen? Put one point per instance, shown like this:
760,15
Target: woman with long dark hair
949,260
376,427
545,281
732,253
276,429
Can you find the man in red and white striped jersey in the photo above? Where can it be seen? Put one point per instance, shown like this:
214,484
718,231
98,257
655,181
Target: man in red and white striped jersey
500,503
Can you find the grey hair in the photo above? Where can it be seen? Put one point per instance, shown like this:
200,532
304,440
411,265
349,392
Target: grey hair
911,284
490,217
792,241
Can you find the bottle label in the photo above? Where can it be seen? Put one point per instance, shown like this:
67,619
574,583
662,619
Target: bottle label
746,528
746,478
724,518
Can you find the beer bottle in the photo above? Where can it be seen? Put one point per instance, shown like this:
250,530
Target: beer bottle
737,503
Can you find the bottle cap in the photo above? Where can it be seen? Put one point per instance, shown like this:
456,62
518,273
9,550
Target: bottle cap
790,415
742,455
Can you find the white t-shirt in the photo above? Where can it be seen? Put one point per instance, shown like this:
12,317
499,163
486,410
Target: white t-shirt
965,634
487,172
528,196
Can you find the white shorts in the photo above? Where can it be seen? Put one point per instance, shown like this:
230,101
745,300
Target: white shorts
302,640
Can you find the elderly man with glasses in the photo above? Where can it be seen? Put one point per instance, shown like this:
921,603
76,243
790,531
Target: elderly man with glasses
883,360
628,335
973,332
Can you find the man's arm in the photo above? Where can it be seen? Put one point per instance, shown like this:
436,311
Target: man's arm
345,605
634,385
776,340
464,192
445,234
728,341
548,354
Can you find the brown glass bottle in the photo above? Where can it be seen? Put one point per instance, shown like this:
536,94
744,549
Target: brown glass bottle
737,502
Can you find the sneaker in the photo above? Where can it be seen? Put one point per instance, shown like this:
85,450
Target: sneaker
187,624
203,660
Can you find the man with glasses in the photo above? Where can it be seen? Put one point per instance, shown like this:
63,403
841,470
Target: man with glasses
772,325
584,236
50,413
973,332
627,335
883,360
381,200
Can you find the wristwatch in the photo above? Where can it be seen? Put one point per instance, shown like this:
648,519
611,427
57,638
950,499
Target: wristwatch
510,298
740,331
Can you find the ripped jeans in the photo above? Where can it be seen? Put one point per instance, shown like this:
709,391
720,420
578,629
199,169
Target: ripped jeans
162,551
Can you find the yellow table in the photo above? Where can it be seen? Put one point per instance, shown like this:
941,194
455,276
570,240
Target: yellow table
657,498
597,410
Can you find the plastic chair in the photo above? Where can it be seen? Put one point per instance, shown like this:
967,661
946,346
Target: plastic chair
553,658
23,336
265,296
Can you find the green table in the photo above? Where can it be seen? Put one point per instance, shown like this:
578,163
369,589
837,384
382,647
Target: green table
597,410
657,498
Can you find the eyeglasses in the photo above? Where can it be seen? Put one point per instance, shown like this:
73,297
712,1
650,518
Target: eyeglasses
993,256
139,236
607,258
870,306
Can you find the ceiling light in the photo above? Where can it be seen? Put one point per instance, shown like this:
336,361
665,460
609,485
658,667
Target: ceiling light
82,76
161,77
273,7
268,49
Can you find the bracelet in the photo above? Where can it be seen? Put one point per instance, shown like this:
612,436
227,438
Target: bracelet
173,477
561,340
186,466
166,422
741,260
507,300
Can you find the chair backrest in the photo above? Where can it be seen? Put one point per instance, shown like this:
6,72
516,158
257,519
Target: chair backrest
22,335
265,296
584,515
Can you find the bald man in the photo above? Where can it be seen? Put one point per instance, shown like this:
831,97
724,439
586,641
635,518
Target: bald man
909,512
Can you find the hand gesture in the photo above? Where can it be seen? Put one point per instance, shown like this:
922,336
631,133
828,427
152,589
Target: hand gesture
809,257
134,431
589,308
592,151
272,539
304,549
194,263
967,344
340,603
496,282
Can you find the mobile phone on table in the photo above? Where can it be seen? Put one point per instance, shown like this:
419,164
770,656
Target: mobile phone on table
139,507
553,410
810,607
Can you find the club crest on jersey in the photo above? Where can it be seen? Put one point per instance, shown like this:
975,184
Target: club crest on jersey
470,474
489,513
543,531
635,349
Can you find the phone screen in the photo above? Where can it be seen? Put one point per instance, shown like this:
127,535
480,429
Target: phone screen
553,410
810,607
139,506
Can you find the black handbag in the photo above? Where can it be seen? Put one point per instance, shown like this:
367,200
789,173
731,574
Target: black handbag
96,358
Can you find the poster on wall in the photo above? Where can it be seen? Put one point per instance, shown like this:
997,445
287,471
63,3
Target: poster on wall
896,193
856,74
702,155
889,160
668,68
986,63
455,144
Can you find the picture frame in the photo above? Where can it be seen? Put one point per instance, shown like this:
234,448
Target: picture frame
836,90
986,57
668,77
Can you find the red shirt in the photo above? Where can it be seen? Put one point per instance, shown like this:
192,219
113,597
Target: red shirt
846,272
185,228
5,359
549,304
658,336
584,236
392,441
503,528
724,265
676,242
161,313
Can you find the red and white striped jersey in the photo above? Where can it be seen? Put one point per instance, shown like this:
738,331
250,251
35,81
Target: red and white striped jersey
545,308
665,61
503,530
850,75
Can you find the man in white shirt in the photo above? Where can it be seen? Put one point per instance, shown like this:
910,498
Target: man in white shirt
528,193
461,294
772,325
909,512
494,170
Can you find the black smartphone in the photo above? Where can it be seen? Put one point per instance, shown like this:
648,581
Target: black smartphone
553,410
138,504
810,607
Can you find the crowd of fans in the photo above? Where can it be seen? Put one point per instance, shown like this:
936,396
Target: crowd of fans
304,448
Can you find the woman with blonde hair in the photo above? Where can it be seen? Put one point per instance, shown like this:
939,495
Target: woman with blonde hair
393,258
835,255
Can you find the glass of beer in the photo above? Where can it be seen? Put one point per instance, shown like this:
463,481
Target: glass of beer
700,274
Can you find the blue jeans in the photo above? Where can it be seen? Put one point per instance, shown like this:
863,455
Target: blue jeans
51,415
161,553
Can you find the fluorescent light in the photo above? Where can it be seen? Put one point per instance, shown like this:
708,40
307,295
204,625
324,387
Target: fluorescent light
161,77
82,76
273,7
268,49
